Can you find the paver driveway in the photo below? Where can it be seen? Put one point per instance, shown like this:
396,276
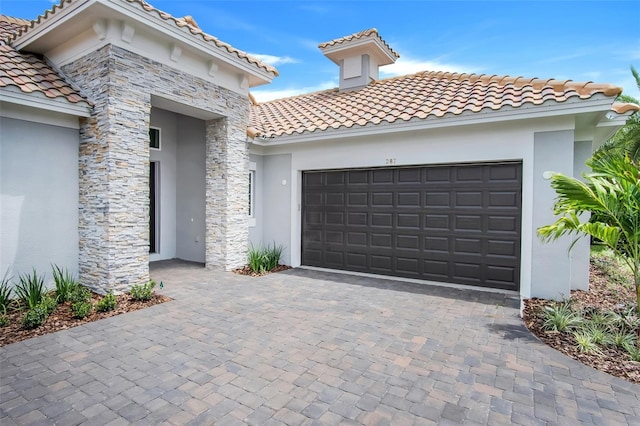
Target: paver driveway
304,347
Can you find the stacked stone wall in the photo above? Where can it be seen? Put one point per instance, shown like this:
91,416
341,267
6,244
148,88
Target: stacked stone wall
114,165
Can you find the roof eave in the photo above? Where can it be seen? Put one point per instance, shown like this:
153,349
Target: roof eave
126,10
595,104
33,100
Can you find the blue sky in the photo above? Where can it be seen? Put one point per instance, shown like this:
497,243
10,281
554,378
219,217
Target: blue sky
578,40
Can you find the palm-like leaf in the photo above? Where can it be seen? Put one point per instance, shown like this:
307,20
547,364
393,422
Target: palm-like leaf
612,194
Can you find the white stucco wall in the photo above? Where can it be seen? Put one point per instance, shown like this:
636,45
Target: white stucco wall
256,227
541,145
39,197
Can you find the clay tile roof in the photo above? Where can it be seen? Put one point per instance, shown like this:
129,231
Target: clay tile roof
371,32
30,74
413,97
623,108
10,26
186,22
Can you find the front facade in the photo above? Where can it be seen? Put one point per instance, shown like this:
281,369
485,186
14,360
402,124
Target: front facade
132,67
127,137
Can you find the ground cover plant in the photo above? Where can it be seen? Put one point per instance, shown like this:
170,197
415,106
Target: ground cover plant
263,260
30,309
599,327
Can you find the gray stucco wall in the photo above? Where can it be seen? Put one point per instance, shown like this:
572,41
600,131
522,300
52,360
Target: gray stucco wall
551,263
39,197
190,190
167,122
255,231
581,250
276,190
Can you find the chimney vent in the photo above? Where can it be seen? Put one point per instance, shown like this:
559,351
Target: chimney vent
359,56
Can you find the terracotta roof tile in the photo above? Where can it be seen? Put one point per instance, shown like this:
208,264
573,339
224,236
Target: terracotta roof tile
186,22
31,74
10,26
411,97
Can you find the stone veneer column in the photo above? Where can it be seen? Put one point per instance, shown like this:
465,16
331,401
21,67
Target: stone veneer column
114,174
227,189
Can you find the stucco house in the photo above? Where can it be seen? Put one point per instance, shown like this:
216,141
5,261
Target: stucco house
129,136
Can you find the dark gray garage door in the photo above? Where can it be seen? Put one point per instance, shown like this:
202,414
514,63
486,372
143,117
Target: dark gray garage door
454,223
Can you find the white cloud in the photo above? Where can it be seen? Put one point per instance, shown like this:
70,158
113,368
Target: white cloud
404,66
274,60
268,95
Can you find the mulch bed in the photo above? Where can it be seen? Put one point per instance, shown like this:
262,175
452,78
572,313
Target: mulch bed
602,296
246,270
62,318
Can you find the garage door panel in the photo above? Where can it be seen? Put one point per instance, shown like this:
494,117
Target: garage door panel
357,219
408,220
357,199
436,221
356,261
437,199
410,176
381,176
408,199
358,177
357,238
408,242
382,199
381,220
381,240
456,223
436,244
468,223
382,263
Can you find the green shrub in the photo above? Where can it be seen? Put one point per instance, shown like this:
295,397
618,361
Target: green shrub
5,292
35,316
142,291
80,294
66,284
49,303
263,259
107,303
4,320
560,317
597,332
81,309
30,289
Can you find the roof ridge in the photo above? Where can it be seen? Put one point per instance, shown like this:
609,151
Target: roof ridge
361,34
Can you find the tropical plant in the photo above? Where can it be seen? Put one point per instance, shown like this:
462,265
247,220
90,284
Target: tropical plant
30,289
633,351
66,284
263,259
560,317
585,343
5,292
612,192
626,141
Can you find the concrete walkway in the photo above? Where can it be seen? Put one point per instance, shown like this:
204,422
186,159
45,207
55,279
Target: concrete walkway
303,347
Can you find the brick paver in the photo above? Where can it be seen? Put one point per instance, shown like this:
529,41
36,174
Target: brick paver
306,347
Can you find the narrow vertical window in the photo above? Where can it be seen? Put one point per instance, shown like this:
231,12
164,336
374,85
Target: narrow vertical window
252,179
154,138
